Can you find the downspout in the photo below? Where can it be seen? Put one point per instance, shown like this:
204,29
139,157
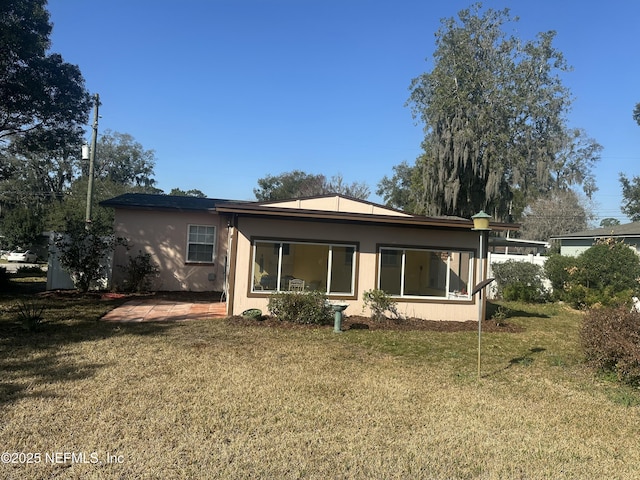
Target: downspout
225,286
232,249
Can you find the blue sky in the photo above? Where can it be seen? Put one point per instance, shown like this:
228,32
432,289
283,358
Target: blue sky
228,91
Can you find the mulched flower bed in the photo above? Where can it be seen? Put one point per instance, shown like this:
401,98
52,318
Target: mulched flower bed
405,324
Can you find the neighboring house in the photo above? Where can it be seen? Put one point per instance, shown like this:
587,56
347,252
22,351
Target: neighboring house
573,244
335,244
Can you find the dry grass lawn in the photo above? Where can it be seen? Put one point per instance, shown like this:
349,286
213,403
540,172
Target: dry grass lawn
214,399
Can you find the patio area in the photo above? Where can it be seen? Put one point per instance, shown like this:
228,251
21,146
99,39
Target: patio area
159,310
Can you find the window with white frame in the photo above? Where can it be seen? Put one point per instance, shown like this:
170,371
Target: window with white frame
201,243
412,272
327,267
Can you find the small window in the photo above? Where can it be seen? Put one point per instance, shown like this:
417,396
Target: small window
201,243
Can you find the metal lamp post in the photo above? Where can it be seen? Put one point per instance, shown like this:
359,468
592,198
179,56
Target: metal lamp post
481,224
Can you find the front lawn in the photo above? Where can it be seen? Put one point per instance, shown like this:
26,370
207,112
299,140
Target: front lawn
223,399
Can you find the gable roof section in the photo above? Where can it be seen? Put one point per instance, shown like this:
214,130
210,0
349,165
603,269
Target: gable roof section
336,203
625,230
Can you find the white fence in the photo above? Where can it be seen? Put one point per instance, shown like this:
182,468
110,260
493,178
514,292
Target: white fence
502,257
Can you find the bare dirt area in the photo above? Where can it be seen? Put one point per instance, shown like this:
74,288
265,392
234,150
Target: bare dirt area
407,324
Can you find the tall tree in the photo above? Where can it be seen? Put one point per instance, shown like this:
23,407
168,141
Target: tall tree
630,197
398,190
636,113
609,222
43,107
43,97
494,110
122,166
194,192
354,189
558,213
123,160
296,184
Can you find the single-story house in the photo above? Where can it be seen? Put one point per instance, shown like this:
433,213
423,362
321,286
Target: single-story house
336,244
573,244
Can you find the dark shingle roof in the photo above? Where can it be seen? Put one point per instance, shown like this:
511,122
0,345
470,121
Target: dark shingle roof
625,230
162,202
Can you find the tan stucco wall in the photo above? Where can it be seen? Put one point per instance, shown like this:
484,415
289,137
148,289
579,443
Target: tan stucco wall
336,204
368,238
163,234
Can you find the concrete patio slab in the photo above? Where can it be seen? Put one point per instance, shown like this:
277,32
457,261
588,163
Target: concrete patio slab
149,310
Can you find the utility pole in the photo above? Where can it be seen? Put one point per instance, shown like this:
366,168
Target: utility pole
92,159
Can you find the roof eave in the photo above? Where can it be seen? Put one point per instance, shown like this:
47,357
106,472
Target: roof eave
440,222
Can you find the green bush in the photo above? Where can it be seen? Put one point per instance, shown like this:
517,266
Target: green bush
556,269
301,307
380,302
83,252
520,281
608,264
33,270
139,272
611,341
606,274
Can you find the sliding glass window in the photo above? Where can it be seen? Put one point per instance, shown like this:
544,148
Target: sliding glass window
285,266
405,272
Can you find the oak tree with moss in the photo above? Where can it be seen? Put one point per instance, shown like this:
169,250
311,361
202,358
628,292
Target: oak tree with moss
494,114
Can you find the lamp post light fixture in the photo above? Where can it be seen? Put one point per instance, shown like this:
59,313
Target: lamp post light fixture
481,224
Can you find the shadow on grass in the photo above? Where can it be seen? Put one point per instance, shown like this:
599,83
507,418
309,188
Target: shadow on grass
32,360
527,359
496,310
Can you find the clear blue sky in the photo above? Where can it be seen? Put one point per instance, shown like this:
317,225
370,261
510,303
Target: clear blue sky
228,91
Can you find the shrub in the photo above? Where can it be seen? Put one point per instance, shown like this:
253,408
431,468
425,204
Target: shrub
605,274
556,269
519,281
139,272
301,307
84,252
611,341
29,314
33,270
500,313
608,264
380,302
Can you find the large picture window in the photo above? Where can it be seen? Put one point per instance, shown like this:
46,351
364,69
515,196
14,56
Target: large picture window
406,272
201,243
284,266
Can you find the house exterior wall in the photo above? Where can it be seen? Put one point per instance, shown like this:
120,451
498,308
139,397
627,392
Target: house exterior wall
573,247
164,234
368,239
337,204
